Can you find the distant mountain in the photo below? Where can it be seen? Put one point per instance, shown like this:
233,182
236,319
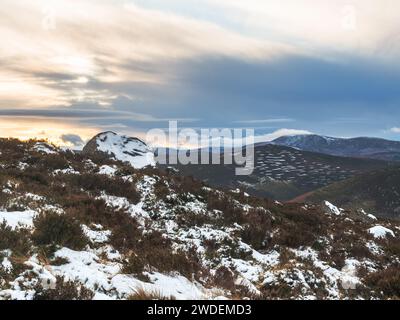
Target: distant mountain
283,173
119,147
378,192
373,148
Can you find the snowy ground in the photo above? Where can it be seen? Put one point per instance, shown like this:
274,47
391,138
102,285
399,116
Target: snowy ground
275,271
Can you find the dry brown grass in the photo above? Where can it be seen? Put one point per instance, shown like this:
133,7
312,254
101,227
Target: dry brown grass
142,294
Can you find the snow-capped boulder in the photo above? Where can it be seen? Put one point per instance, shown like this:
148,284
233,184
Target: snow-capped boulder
371,216
333,209
380,232
119,147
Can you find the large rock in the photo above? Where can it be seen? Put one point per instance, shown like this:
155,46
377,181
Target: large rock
119,147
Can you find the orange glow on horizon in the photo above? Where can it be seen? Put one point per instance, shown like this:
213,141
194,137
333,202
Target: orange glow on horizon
44,129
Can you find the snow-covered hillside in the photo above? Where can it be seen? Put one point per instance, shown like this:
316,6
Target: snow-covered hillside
76,227
122,148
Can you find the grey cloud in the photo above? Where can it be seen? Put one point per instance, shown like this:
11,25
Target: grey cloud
92,113
75,139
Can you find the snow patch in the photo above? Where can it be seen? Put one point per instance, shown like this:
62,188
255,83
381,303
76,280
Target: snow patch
16,219
66,171
380,232
6,265
95,236
177,286
43,147
107,170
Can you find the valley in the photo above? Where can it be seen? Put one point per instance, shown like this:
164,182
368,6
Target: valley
283,173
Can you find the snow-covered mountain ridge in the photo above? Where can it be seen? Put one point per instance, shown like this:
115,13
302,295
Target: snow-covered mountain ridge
363,147
76,226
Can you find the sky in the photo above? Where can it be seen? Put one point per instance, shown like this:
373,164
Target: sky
71,69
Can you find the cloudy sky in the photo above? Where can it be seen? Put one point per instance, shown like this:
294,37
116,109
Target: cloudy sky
70,69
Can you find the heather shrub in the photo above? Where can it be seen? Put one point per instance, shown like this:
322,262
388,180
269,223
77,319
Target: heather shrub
392,246
64,290
59,261
309,218
154,252
285,255
187,184
12,149
53,162
135,266
98,183
161,190
16,240
33,177
55,229
125,232
360,251
88,209
211,246
4,199
297,228
188,218
277,290
385,281
231,212
256,228
125,170
293,236
166,261
224,278
337,255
